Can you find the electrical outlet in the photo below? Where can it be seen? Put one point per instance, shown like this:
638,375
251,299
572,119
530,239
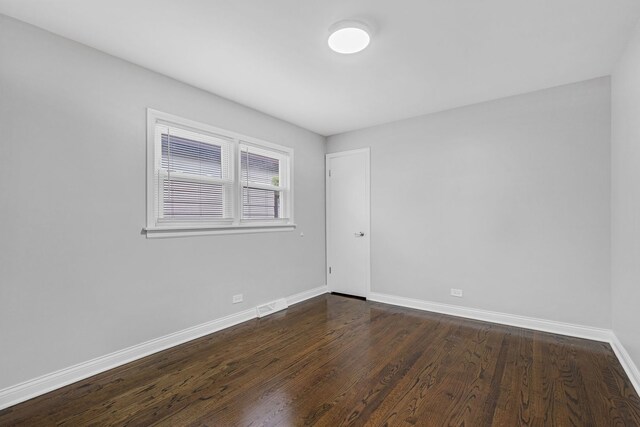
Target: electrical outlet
456,293
237,298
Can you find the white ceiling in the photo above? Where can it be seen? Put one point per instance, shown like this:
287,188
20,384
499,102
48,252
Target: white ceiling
425,55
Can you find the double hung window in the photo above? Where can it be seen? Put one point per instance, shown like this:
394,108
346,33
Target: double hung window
205,180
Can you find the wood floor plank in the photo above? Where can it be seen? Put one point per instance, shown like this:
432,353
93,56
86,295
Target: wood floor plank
427,382
337,368
103,388
333,361
267,361
385,366
514,405
295,369
153,369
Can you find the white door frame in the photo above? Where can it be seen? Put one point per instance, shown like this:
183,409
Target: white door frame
329,156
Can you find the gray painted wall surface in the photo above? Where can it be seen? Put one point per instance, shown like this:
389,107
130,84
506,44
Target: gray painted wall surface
625,200
508,200
78,278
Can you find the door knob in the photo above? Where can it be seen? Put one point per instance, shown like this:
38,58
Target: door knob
359,234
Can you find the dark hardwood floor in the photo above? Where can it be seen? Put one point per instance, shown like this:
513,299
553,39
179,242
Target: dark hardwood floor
336,361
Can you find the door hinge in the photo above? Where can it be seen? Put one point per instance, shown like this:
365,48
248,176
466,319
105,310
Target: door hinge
329,173
329,270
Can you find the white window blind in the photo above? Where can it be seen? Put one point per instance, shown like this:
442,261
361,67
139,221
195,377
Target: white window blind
194,180
264,183
206,178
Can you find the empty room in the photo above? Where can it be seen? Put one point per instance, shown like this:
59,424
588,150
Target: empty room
320,213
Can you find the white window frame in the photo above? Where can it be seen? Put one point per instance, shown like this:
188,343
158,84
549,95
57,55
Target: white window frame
157,227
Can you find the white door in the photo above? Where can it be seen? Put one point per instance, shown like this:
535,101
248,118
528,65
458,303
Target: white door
348,227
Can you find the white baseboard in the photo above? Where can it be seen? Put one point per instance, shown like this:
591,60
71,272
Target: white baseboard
302,296
29,389
579,331
627,363
572,330
49,382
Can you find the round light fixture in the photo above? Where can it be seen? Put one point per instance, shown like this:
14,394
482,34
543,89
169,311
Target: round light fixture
348,37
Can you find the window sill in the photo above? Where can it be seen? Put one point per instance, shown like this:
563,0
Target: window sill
164,232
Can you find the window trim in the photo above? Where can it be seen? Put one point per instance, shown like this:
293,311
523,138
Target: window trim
154,227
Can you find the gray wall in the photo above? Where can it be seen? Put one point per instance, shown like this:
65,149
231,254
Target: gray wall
508,200
625,200
78,280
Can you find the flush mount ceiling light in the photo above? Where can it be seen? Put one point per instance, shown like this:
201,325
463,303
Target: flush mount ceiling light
348,37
